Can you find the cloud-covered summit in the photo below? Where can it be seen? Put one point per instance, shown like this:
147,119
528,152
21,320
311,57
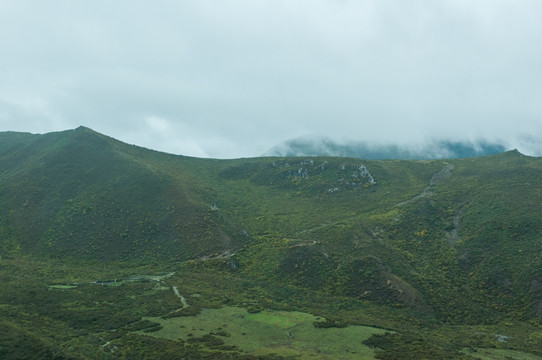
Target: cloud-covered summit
321,146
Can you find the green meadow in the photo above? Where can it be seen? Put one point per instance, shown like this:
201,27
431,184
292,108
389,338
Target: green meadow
269,332
500,354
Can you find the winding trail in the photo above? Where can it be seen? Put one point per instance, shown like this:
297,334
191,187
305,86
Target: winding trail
453,235
443,174
318,227
183,299
439,176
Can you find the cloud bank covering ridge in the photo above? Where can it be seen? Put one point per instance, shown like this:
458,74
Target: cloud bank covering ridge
443,149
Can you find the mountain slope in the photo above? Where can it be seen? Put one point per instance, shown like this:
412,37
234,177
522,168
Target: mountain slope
80,193
423,246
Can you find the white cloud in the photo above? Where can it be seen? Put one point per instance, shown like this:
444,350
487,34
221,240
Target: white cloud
163,134
158,125
38,114
233,78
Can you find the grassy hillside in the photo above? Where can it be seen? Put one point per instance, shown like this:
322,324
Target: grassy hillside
81,194
443,252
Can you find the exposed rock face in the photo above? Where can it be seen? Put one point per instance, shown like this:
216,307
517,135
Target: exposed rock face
346,176
364,173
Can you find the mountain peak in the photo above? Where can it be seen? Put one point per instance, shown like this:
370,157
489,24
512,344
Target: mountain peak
82,128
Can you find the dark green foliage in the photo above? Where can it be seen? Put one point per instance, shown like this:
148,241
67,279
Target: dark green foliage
141,325
17,343
209,340
414,246
187,311
411,346
307,266
254,308
153,329
329,323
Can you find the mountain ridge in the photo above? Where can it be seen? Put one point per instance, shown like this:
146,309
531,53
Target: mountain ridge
78,163
410,245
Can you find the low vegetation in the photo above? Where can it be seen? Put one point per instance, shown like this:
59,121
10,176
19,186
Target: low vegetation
392,259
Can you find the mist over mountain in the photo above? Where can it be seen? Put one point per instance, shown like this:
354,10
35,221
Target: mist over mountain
436,149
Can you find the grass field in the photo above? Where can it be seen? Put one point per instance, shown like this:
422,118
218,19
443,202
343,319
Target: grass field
501,354
271,332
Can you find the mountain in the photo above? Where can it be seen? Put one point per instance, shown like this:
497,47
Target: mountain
321,146
99,239
79,193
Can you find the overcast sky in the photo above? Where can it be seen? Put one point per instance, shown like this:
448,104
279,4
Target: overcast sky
232,78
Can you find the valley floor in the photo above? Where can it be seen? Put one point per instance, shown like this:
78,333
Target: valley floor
57,310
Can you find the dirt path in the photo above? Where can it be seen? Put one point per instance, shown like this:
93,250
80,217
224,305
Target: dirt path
443,174
439,176
453,235
183,299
